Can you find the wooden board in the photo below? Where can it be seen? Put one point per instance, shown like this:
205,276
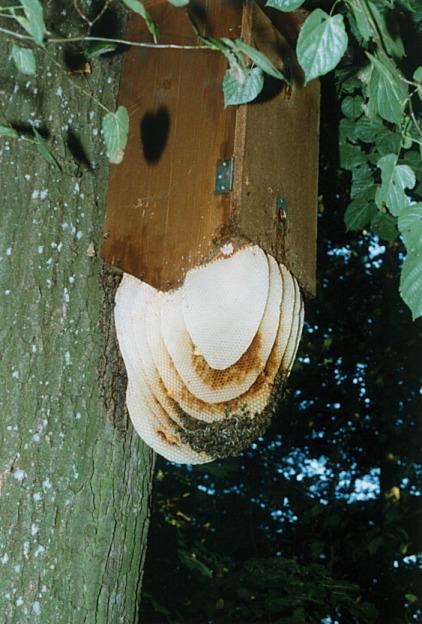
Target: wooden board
163,216
277,148
162,213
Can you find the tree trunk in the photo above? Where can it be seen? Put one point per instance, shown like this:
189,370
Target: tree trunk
75,479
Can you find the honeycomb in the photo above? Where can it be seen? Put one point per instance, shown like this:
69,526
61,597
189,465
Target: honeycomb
208,361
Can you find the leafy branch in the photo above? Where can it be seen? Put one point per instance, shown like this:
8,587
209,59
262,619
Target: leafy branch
37,141
380,131
241,84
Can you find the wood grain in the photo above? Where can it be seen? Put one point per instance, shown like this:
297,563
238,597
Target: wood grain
163,216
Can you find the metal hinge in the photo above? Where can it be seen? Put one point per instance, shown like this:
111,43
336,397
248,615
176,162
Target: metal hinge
224,176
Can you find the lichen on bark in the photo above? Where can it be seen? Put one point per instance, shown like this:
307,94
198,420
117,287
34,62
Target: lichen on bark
75,479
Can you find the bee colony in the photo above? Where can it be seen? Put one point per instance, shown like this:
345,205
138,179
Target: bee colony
205,361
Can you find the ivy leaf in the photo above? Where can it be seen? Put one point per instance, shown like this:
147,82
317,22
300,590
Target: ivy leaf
411,283
385,226
410,226
97,48
417,76
389,141
351,156
24,60
387,26
358,214
179,3
347,80
41,146
363,183
194,564
372,23
259,59
7,131
391,36
241,87
115,128
138,7
34,22
361,22
387,94
347,130
321,43
367,130
284,5
352,107
395,179
375,544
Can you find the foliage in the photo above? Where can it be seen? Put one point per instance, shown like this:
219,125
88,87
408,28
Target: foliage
115,129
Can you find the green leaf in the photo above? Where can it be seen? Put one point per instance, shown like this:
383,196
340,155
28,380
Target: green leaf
321,43
389,141
8,132
259,59
115,128
194,564
97,48
24,59
417,76
387,94
373,24
284,5
347,130
363,184
358,214
35,20
385,226
352,107
395,179
411,598
411,283
375,544
347,80
390,34
44,151
351,156
361,22
240,87
138,7
410,226
367,129
179,3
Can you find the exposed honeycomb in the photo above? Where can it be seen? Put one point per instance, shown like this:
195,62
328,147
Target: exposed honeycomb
188,396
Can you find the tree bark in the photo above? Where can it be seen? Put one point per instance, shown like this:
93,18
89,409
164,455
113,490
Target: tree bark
75,479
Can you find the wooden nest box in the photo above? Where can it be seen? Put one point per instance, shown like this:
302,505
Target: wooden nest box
195,172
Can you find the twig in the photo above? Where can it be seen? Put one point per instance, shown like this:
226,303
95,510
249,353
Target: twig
96,18
137,44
